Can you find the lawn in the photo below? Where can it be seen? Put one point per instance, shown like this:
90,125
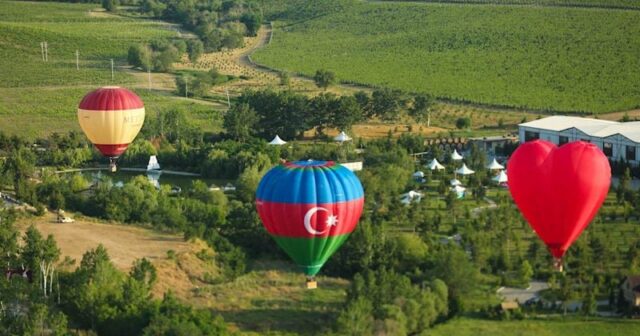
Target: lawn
550,327
543,58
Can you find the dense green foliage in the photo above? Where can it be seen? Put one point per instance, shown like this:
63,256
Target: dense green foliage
219,24
558,59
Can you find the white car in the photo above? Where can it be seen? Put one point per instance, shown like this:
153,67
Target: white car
66,220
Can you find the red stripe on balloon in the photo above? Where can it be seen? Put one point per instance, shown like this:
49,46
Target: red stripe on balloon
111,99
112,150
309,220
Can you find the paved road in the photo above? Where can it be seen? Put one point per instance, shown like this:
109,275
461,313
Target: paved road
522,295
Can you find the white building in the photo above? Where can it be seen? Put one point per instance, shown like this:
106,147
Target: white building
618,140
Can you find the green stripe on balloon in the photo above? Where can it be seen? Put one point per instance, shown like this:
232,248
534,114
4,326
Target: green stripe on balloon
310,253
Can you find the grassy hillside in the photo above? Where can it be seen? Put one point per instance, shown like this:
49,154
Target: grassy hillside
41,97
547,58
586,327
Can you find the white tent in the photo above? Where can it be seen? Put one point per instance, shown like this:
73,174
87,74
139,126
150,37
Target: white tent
411,196
435,165
501,178
455,182
494,165
153,163
458,189
464,170
342,137
277,141
455,156
418,174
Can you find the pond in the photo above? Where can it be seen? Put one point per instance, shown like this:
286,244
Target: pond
123,176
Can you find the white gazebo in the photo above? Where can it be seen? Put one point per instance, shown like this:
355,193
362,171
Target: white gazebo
342,137
435,165
455,182
455,156
418,174
464,170
277,141
494,165
501,178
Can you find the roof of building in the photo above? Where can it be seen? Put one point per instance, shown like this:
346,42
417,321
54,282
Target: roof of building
592,127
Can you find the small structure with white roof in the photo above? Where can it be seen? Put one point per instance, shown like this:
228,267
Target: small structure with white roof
501,178
494,165
455,182
410,197
342,137
277,141
435,165
464,170
455,156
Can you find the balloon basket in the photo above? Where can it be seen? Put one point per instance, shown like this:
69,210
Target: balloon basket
312,284
557,264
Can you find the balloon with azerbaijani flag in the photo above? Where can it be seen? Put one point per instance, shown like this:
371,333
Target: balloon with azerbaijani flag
111,117
310,208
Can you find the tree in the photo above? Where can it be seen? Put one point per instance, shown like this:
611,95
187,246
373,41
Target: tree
140,56
421,108
356,319
526,272
324,78
348,113
463,123
285,78
195,48
386,103
110,5
240,121
252,21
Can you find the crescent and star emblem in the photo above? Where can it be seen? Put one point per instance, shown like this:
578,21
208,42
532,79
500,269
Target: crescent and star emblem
331,221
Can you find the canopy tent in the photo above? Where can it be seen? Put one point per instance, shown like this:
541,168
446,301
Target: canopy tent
464,170
411,196
153,163
494,165
455,182
418,174
455,156
342,137
435,165
501,178
459,190
277,141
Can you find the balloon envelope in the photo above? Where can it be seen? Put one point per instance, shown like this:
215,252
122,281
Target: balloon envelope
111,117
558,189
310,208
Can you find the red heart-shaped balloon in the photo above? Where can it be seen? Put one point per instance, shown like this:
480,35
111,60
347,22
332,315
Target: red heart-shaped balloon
558,189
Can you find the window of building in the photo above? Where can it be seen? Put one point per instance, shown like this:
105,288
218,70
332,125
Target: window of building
631,153
607,148
562,140
530,136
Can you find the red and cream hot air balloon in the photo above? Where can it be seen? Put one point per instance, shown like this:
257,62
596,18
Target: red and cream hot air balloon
111,117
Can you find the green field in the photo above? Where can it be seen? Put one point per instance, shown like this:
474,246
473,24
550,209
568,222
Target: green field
577,3
37,98
551,327
543,58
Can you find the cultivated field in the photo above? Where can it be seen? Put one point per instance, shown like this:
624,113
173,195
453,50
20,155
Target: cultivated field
532,57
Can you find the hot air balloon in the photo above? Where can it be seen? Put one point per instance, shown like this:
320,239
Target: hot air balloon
310,208
558,189
111,117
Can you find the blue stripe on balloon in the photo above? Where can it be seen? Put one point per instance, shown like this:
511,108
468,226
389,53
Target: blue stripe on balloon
309,184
